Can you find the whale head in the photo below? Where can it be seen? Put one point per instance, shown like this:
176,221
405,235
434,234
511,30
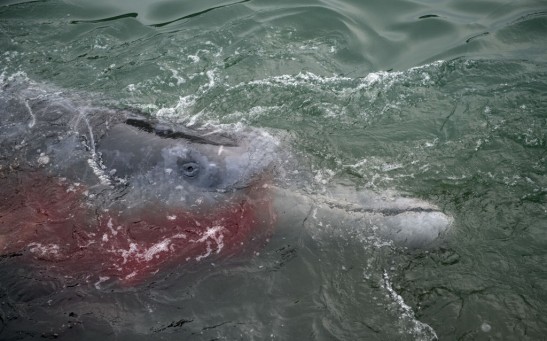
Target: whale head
180,167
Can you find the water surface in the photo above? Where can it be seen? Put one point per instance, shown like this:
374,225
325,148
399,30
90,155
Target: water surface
441,99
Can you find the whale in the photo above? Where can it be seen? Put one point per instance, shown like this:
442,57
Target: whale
116,195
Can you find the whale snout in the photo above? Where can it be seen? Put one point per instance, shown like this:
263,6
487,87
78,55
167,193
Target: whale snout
415,229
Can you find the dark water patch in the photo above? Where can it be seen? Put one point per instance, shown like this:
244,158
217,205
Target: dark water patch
191,15
468,40
117,17
530,16
173,325
7,3
428,16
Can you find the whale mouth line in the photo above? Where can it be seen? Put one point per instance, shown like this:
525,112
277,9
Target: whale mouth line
385,211
395,211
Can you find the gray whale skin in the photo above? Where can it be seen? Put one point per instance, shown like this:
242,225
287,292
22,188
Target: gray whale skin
112,195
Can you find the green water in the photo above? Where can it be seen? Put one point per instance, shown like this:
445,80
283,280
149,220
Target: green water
445,100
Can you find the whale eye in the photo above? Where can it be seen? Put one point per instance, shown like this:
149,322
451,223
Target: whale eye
190,169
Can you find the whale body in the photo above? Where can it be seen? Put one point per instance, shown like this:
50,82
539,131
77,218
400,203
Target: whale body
94,192
114,195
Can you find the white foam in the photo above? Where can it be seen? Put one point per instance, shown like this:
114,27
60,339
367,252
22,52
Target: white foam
211,234
180,79
44,250
194,58
206,254
152,251
420,330
140,253
101,280
98,171
32,116
133,274
126,254
43,159
111,227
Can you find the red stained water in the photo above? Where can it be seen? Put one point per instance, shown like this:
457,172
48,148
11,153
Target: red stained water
53,223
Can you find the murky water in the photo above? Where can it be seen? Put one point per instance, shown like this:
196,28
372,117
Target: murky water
443,100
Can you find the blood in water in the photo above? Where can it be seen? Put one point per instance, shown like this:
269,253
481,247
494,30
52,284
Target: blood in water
54,224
